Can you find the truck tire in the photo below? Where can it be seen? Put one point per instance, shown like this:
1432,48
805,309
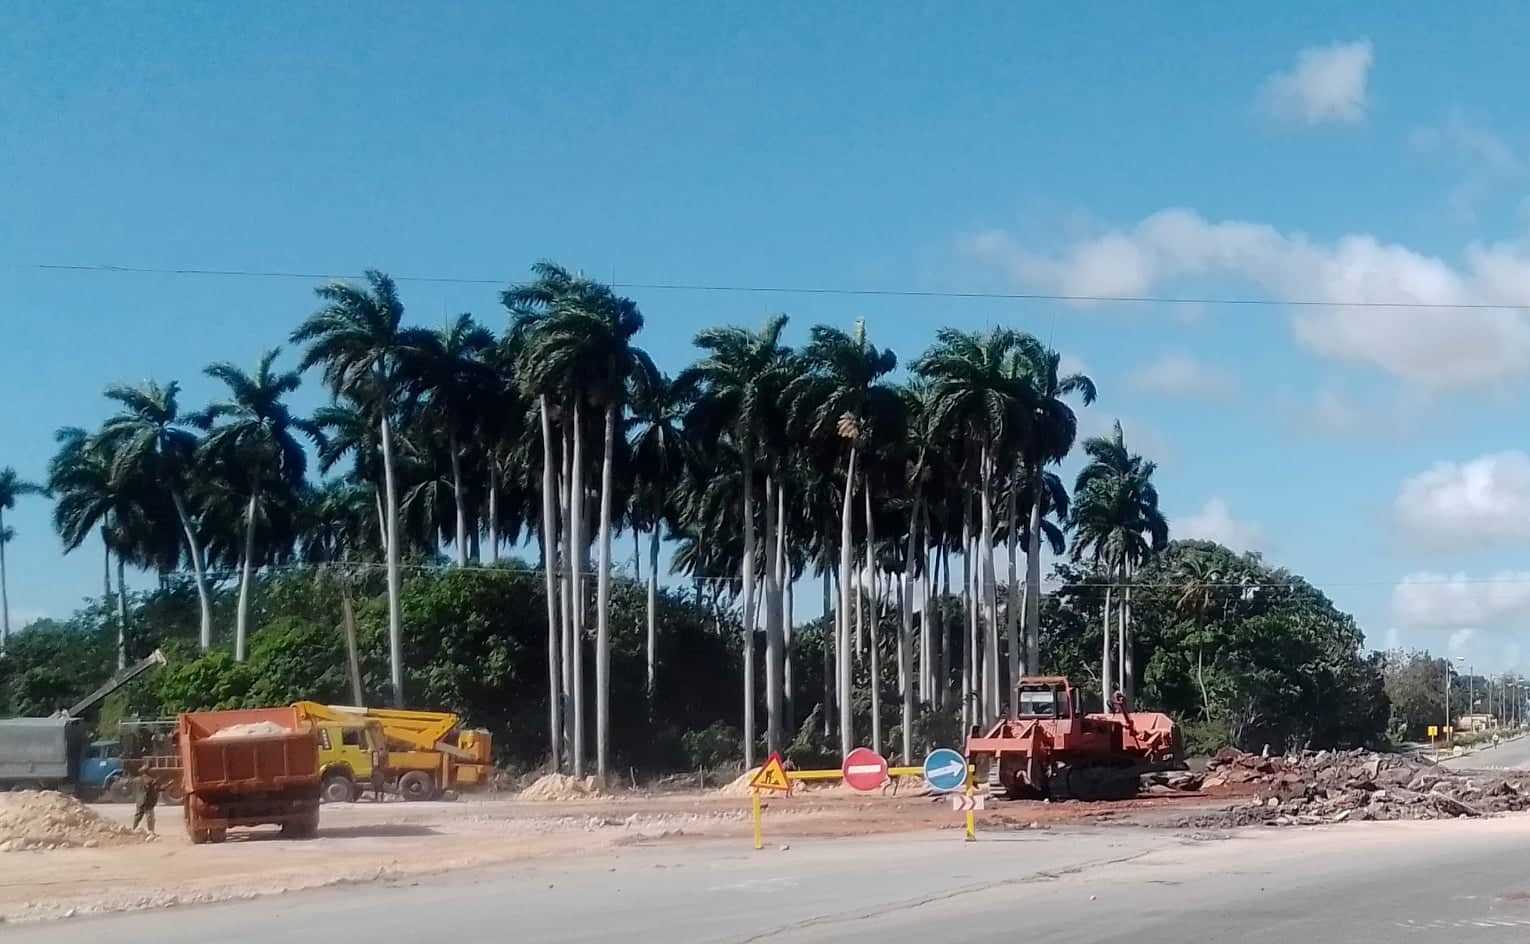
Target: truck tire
417,785
302,826
338,788
118,789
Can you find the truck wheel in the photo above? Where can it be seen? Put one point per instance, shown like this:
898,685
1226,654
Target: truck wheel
118,788
303,826
416,785
338,788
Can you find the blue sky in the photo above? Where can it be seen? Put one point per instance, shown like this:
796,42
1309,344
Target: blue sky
1203,150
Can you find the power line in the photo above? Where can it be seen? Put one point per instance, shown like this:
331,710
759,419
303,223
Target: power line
818,290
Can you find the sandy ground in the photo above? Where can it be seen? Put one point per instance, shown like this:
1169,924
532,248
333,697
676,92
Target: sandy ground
361,842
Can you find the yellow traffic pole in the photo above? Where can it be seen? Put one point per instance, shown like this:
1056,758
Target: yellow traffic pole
759,839
971,819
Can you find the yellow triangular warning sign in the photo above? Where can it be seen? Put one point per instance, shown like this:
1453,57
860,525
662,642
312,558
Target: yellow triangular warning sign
772,776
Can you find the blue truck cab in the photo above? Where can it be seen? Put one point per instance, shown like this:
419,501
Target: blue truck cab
101,768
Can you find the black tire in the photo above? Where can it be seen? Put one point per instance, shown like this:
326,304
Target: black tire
305,826
338,788
417,785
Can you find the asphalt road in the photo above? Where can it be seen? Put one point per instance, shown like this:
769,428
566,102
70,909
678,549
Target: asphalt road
1458,881
1508,755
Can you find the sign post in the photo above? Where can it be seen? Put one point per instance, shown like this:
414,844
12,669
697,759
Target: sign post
971,819
772,776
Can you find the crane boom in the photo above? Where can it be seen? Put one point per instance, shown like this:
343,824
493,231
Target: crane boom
115,682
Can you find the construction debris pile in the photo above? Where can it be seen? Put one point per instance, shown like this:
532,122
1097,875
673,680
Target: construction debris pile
250,729
44,819
1335,786
561,787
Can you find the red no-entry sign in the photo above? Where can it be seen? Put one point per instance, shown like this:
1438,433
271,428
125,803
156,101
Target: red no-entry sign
864,769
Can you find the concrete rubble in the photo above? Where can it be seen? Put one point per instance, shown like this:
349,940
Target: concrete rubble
1316,787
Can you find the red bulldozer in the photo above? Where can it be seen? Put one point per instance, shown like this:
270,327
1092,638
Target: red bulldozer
1050,748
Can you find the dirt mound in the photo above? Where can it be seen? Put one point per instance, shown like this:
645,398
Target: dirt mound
248,730
1334,786
740,785
43,819
560,787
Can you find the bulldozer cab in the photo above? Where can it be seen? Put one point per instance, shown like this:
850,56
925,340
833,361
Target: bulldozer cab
1044,699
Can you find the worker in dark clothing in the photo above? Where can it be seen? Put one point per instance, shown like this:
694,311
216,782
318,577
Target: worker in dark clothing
148,795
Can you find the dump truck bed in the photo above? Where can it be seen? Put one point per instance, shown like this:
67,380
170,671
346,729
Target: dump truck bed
247,768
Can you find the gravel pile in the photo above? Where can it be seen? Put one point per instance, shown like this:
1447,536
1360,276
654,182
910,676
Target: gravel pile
249,729
43,819
1317,787
560,787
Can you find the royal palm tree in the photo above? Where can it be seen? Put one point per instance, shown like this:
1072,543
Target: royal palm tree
446,375
252,441
842,398
977,398
1048,440
1116,521
150,442
733,386
12,487
584,345
660,455
359,339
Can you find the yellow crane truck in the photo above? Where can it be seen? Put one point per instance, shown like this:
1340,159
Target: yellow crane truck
424,755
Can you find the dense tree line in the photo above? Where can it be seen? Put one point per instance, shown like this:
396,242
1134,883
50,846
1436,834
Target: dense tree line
763,465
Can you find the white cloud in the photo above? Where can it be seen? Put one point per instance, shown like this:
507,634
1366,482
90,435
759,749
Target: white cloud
1430,346
1215,522
1181,373
1468,504
1332,411
1428,600
1459,639
1482,158
1326,84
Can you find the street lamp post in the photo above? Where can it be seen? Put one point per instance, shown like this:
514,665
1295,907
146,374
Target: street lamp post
1450,727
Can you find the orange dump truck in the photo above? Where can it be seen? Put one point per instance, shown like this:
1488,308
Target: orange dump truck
250,767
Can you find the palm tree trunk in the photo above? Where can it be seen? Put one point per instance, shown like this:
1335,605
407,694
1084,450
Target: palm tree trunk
748,613
5,598
969,617
876,623
550,581
653,606
830,621
566,591
106,565
395,609
905,641
784,592
1128,645
348,621
382,520
1033,579
122,614
1107,670
935,617
846,567
1012,604
909,559
457,496
576,559
990,598
494,508
603,602
199,572
247,567
774,659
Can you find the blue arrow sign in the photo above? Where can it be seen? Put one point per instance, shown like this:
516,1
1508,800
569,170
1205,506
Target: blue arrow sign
945,770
